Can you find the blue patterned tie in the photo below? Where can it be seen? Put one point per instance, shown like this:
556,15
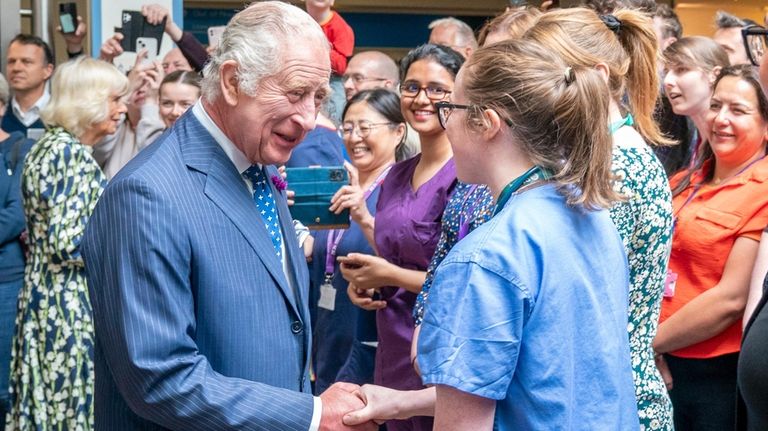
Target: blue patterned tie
265,203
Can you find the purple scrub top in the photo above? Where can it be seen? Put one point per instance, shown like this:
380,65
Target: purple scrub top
406,232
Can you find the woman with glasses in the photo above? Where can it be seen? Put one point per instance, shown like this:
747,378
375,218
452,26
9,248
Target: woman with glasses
691,65
373,128
623,47
407,224
720,210
513,303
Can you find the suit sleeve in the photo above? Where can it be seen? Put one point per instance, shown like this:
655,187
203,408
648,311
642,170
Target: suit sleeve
138,255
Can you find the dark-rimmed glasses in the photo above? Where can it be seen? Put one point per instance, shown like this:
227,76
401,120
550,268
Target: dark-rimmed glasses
755,39
433,92
444,110
363,128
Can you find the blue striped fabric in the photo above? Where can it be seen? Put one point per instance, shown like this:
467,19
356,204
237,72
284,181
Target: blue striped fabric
196,324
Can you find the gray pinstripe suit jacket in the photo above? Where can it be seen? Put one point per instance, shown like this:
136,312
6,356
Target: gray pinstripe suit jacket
196,324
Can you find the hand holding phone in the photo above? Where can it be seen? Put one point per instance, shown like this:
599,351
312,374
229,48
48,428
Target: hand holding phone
68,17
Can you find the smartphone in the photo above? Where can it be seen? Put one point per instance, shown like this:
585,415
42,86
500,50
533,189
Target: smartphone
148,43
214,35
314,188
68,17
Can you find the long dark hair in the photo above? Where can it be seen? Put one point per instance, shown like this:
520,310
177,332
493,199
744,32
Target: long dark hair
748,74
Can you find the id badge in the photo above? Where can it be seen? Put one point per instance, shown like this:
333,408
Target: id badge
670,284
327,296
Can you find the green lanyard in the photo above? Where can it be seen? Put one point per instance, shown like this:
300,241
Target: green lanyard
626,121
529,177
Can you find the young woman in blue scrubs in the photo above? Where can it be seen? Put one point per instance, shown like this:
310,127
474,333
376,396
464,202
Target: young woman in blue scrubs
526,326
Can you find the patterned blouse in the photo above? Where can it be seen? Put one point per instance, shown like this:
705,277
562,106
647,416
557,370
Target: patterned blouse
470,206
644,222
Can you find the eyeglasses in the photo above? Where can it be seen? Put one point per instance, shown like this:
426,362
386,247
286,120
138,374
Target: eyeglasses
363,128
412,89
444,110
755,39
359,79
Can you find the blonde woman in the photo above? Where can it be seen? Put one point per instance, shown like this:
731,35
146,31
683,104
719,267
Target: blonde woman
624,48
51,383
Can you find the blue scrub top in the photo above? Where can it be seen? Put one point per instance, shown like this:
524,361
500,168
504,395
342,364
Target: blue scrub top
530,309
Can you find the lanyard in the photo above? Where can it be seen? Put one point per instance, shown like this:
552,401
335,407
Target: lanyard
697,187
530,176
626,121
334,235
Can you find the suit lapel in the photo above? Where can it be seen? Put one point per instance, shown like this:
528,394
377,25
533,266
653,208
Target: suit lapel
227,190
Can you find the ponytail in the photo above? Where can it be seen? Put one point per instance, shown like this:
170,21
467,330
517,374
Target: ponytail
642,78
628,47
560,115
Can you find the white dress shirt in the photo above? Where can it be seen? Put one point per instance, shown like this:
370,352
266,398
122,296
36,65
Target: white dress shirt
33,114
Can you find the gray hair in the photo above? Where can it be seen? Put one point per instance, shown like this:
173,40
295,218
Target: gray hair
463,30
5,92
255,39
725,20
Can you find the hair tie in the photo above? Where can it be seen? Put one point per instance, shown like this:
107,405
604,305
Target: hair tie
569,76
613,23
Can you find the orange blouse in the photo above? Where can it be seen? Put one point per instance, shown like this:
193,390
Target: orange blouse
706,228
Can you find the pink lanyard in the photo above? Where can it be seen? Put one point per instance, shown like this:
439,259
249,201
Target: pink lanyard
334,236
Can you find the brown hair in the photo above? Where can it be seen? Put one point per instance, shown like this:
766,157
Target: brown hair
559,114
696,51
514,23
748,74
581,37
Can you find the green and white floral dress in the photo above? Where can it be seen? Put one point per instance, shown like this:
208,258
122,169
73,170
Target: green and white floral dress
51,383
644,222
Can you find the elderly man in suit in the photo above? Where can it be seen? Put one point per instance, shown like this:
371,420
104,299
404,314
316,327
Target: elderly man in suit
198,286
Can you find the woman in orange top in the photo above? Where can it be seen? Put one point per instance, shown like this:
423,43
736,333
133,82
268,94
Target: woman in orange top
720,208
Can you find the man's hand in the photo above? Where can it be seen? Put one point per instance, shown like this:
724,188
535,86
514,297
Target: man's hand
74,40
338,400
155,14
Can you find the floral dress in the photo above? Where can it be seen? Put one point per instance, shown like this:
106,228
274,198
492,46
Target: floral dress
51,383
470,206
644,222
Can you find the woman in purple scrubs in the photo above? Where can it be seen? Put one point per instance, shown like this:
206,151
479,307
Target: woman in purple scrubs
407,223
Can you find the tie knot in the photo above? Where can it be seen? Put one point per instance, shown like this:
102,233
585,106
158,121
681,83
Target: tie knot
256,174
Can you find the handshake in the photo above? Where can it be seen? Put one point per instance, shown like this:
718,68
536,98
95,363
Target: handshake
347,406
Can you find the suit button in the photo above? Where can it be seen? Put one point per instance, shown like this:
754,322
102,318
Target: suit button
296,327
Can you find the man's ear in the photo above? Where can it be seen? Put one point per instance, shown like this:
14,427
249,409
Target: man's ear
230,86
48,71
